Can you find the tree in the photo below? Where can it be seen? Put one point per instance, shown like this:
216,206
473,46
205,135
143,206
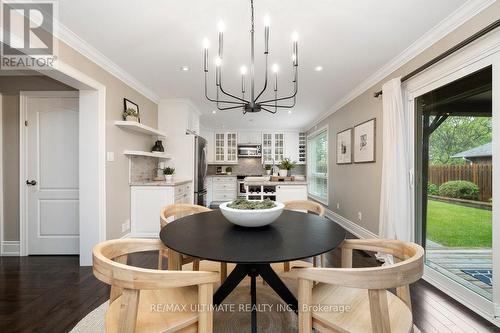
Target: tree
458,134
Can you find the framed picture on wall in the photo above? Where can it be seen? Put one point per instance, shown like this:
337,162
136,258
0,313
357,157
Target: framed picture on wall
344,147
364,142
130,111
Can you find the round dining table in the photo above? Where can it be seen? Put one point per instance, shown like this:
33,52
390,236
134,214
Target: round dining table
293,236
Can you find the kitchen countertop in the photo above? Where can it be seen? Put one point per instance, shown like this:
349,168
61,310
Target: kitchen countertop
222,175
270,183
175,182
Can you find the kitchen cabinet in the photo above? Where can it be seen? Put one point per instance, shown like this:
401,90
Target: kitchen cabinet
295,147
273,147
253,137
224,188
291,192
146,203
226,147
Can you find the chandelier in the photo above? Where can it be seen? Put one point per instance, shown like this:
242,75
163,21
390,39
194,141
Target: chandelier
253,103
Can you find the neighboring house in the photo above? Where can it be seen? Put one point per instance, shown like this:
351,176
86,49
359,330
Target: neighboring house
478,155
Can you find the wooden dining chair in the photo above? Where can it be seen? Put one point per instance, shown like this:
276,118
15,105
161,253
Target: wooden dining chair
362,292
307,206
140,297
174,212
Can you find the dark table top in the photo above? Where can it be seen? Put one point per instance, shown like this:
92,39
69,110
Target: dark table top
293,236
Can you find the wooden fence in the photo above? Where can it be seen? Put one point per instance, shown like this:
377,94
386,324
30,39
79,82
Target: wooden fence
479,174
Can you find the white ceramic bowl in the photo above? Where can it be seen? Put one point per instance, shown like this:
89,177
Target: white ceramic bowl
251,217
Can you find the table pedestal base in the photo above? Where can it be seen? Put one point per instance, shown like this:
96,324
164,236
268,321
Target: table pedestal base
253,270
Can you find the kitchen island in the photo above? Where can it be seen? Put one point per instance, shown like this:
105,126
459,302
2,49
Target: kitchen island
281,191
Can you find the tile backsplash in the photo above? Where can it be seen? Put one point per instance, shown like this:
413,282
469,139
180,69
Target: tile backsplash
251,166
142,168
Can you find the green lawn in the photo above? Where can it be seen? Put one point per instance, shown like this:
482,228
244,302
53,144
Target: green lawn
458,226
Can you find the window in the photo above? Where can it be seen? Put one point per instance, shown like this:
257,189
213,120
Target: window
317,165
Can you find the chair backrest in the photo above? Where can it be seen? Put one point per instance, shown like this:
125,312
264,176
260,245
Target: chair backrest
307,205
110,266
408,268
176,211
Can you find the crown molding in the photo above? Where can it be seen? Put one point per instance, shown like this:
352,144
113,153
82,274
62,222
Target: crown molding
67,36
461,15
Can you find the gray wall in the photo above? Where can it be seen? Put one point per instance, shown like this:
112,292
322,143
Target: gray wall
356,187
10,86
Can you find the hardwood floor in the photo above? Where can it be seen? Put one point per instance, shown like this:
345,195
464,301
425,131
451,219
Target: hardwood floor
52,293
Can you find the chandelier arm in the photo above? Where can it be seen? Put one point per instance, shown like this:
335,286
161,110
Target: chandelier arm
273,112
216,100
230,95
230,107
278,106
284,98
265,85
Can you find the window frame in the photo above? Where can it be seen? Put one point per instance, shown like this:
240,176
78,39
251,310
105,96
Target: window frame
311,136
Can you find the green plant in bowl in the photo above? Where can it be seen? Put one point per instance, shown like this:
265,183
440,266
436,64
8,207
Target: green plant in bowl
251,205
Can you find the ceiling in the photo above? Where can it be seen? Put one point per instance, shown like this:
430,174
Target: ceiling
349,39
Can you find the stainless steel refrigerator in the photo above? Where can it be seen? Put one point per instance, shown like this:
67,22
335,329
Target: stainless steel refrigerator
200,171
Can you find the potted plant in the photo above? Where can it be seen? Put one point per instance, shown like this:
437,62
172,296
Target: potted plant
229,170
286,166
131,114
268,168
169,173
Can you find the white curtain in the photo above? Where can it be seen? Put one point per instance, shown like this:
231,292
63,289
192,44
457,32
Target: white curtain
395,218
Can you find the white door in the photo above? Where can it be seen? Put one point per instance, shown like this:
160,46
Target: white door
52,205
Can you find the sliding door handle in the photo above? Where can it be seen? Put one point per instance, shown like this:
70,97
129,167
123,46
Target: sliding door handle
32,182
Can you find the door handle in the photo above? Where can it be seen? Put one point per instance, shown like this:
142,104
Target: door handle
32,182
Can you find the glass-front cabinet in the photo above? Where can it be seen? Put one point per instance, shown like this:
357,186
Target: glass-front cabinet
226,147
273,147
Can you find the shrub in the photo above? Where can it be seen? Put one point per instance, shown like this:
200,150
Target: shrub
460,189
432,189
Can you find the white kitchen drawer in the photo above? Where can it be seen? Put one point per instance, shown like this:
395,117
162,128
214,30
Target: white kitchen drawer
183,189
224,187
224,180
224,196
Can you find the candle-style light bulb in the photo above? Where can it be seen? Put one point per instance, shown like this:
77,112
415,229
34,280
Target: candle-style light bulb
218,63
221,26
295,48
275,68
206,43
243,71
267,21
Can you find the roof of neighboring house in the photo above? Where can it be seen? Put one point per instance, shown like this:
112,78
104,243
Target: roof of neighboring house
481,151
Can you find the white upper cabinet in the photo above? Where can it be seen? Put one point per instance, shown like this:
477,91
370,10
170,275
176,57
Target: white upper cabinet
252,137
226,147
273,147
292,146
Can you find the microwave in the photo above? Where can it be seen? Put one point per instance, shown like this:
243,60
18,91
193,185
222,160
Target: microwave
249,150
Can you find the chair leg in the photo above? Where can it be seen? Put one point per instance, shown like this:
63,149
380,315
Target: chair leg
223,272
379,310
315,261
128,311
205,314
196,264
305,298
286,266
160,259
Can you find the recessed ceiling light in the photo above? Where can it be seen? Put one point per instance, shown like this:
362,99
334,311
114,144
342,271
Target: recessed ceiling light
318,68
214,112
289,111
184,68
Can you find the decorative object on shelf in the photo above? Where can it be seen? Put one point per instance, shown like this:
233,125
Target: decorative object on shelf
286,166
130,111
158,147
364,142
169,174
252,104
344,147
268,168
229,170
252,213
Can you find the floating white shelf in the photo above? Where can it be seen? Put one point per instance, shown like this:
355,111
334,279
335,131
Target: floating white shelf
146,153
138,127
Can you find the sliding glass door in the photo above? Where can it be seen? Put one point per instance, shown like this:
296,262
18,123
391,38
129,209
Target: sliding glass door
454,117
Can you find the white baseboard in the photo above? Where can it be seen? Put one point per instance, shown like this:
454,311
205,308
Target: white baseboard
11,248
350,226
